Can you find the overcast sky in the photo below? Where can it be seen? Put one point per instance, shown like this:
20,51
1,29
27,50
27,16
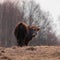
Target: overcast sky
50,5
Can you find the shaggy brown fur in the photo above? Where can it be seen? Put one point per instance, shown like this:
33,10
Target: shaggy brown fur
24,33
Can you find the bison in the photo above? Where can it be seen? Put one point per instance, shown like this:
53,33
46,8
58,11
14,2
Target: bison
24,33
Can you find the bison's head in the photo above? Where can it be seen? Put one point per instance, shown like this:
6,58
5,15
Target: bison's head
25,33
33,30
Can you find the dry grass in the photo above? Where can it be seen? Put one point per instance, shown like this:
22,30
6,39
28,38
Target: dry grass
30,53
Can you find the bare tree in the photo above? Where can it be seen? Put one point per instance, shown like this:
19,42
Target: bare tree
13,12
31,12
10,15
33,15
46,36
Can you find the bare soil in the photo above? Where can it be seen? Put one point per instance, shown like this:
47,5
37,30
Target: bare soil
30,53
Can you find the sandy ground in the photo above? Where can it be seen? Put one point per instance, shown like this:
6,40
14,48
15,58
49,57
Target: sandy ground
30,53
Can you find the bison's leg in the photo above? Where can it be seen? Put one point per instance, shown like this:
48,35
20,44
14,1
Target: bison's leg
21,43
26,42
